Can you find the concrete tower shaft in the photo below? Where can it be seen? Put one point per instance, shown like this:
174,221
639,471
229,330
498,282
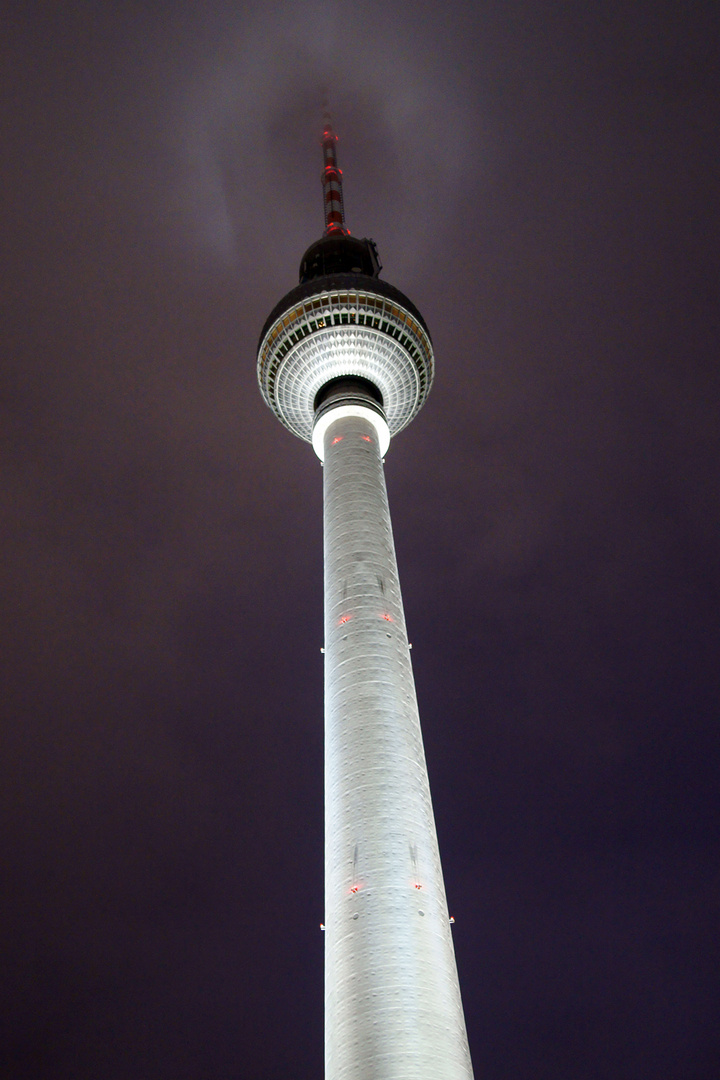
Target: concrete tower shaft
392,999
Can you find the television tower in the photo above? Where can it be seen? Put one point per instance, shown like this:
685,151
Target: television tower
345,362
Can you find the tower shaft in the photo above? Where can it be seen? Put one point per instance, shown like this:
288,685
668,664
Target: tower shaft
392,1000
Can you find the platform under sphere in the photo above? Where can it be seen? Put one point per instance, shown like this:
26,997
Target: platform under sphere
392,1000
348,325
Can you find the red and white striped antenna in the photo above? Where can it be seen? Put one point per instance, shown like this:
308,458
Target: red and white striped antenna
332,183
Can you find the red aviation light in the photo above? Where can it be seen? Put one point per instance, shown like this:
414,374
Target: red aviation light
387,617
366,438
354,888
344,619
337,439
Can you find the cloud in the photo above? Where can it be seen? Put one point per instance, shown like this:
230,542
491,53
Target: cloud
247,179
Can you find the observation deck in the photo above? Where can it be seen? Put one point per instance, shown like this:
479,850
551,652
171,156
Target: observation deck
342,324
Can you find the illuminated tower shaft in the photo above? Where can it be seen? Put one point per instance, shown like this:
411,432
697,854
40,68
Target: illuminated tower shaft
392,1001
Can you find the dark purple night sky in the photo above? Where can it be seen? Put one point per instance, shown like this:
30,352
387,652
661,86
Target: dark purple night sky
541,179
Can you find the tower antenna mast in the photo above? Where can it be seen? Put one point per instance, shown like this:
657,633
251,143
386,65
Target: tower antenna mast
333,205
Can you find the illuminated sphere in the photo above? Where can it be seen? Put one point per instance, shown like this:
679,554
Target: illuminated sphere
341,321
